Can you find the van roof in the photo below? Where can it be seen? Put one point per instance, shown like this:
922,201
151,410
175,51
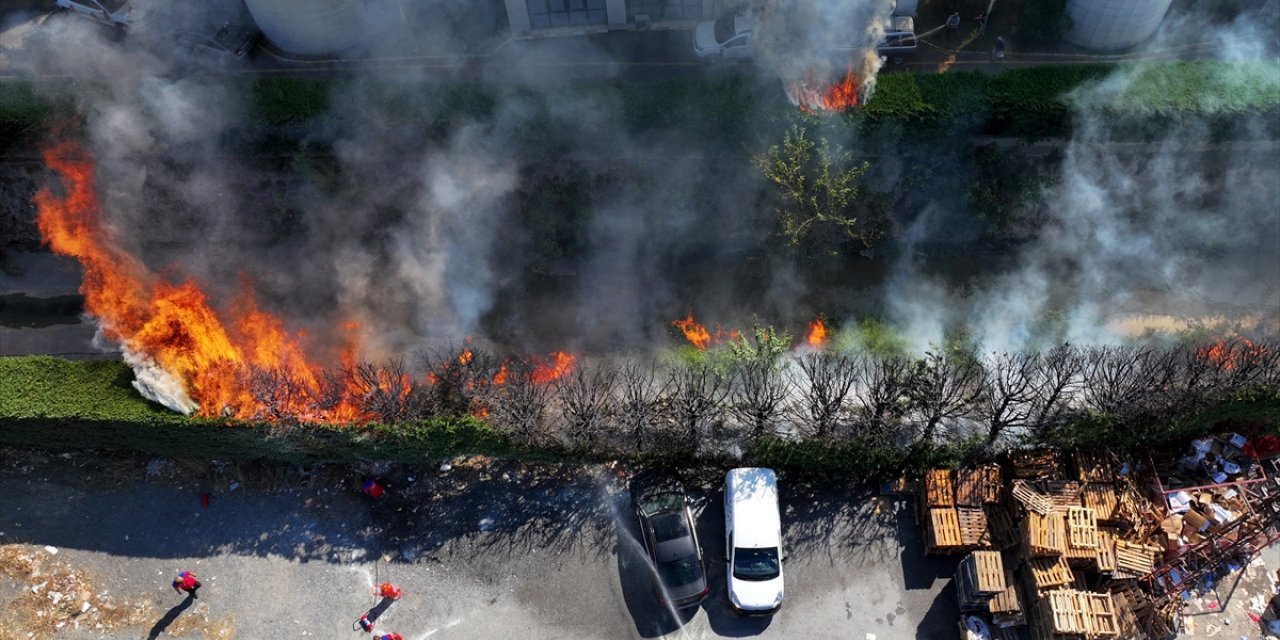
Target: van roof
753,492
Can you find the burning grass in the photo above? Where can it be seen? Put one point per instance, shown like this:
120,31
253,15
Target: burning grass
54,597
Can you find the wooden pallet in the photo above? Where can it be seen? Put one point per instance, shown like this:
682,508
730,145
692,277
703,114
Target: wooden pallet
1048,573
1099,615
973,527
969,488
1004,535
1062,494
987,569
943,531
1105,555
1007,600
1043,535
1082,528
992,486
1036,464
1126,621
1030,498
1102,499
938,488
1097,466
1135,560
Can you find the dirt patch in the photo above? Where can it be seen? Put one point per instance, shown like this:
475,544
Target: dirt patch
51,596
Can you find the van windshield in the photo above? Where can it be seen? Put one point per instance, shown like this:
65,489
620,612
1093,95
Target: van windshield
755,564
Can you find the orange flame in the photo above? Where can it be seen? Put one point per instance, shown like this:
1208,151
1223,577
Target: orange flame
173,324
1231,353
501,376
544,372
696,334
810,96
817,334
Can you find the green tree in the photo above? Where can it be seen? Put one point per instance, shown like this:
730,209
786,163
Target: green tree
817,191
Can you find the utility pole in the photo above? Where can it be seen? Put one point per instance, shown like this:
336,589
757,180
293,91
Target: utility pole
982,28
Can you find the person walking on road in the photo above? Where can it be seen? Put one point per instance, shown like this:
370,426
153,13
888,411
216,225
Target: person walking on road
953,26
997,51
186,581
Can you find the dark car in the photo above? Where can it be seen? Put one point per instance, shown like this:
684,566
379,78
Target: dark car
666,525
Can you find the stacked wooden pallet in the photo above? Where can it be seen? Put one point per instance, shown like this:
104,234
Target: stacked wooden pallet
1006,606
979,578
1082,529
1105,556
1102,499
970,487
1043,535
1036,464
1044,574
1068,612
973,527
1063,494
992,484
938,488
1004,534
1135,560
942,531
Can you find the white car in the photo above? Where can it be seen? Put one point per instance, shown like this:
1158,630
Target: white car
113,13
753,540
727,38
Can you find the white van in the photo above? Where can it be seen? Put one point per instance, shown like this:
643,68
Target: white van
753,540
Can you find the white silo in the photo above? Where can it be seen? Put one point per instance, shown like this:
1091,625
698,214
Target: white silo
1114,24
316,27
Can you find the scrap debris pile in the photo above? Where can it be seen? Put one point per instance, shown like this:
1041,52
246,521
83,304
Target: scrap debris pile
1086,545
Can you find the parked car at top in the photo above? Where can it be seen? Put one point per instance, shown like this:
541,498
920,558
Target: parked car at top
113,13
753,540
725,38
670,539
900,34
232,40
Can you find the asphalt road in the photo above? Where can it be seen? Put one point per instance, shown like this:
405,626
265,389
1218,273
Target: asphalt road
484,550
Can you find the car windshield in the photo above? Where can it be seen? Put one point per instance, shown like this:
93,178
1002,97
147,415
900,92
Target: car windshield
680,572
755,564
725,28
657,503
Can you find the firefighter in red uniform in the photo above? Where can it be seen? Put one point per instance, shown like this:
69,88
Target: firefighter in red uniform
388,590
372,488
390,636
186,581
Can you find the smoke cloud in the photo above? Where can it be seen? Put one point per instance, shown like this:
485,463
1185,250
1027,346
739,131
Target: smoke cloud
414,223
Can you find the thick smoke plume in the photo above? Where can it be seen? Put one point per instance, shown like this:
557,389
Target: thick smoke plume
401,217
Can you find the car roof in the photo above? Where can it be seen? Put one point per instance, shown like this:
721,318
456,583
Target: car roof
743,23
753,492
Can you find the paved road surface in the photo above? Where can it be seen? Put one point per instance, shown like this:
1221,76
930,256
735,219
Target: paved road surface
482,551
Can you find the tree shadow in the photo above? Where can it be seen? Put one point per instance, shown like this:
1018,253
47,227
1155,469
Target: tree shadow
169,617
940,620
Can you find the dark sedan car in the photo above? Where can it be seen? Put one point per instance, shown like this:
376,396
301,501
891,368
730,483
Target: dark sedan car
666,525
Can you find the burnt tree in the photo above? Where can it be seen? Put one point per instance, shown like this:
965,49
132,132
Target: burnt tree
640,393
757,395
586,399
1009,389
1061,373
519,405
943,388
881,393
828,378
698,392
386,393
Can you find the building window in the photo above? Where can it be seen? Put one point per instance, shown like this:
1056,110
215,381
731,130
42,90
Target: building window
664,10
545,14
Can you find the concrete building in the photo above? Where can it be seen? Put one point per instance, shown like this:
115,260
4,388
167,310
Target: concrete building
551,17
1110,25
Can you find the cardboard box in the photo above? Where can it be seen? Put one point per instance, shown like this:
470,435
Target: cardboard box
1195,520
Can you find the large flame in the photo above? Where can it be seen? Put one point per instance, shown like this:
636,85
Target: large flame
1232,353
546,371
810,94
172,326
696,334
817,334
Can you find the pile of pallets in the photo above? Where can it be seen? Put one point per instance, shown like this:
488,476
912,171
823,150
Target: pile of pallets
979,578
1036,464
1006,607
1135,560
1043,535
1076,613
954,508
